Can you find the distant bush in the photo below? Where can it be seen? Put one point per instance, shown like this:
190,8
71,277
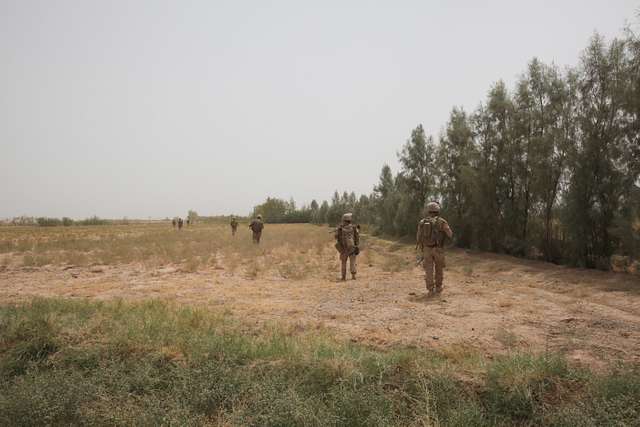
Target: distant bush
65,221
94,220
48,222
23,220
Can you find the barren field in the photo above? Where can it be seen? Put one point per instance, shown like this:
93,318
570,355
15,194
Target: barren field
491,303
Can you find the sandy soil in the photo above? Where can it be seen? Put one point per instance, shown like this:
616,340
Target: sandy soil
491,303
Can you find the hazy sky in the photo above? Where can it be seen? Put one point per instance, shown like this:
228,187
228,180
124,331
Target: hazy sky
150,108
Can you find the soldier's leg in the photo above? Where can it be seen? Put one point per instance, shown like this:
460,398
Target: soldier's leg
439,265
352,266
428,269
258,237
343,265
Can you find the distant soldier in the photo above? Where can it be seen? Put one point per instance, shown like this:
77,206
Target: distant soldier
431,235
234,225
188,221
347,240
173,223
180,223
256,227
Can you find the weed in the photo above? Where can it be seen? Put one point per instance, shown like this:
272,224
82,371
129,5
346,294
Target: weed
394,263
507,338
468,270
74,362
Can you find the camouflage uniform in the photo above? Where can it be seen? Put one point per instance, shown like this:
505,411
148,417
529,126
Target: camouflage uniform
431,235
234,226
256,227
180,223
346,228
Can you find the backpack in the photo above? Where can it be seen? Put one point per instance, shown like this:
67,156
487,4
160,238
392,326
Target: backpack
257,226
431,232
347,238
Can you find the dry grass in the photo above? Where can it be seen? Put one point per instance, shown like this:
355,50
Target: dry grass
291,251
506,337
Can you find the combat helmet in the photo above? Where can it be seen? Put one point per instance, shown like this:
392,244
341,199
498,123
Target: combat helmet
432,208
259,216
347,217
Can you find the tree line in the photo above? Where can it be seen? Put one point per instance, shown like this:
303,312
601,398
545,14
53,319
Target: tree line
43,221
547,169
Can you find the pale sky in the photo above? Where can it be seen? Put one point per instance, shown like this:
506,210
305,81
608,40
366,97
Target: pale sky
150,108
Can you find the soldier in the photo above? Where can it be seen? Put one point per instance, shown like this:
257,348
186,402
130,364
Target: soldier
256,227
173,223
180,222
431,235
347,241
234,225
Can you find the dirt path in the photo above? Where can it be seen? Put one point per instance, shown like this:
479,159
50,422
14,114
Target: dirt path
493,303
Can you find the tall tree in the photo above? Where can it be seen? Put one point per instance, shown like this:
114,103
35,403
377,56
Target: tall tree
455,156
385,198
417,175
601,164
495,184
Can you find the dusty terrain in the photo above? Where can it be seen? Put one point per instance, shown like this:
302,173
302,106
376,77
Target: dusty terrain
491,303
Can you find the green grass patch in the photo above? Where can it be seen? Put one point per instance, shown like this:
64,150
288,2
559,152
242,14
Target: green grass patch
154,363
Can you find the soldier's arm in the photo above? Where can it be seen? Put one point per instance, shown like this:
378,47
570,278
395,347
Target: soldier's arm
418,233
337,234
356,236
447,229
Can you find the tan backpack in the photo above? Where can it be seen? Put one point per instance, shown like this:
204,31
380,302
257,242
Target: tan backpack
347,237
431,232
257,226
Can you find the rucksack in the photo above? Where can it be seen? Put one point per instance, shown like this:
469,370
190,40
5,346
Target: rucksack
257,226
431,234
347,238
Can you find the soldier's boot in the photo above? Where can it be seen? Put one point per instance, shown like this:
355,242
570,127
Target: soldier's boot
353,276
430,291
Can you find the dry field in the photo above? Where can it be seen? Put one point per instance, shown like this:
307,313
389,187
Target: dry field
492,303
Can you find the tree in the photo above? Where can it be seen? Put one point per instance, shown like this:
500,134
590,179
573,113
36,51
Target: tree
321,215
192,216
455,156
272,210
418,165
603,170
494,189
385,199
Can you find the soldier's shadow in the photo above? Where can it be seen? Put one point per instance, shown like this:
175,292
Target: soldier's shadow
424,298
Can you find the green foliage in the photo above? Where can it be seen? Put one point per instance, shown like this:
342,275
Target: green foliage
48,222
278,211
548,170
65,221
71,362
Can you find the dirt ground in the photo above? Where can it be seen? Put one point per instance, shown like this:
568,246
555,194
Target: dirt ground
491,303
